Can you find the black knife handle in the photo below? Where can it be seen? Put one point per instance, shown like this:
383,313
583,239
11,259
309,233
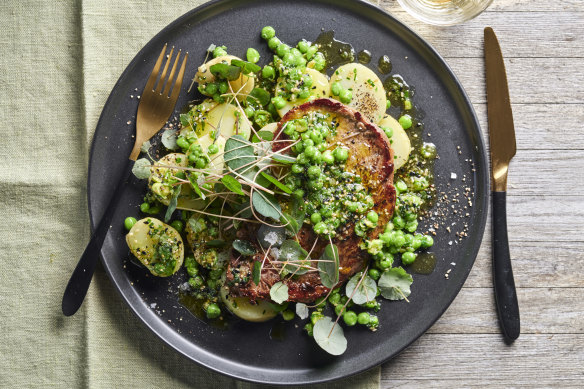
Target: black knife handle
81,278
505,293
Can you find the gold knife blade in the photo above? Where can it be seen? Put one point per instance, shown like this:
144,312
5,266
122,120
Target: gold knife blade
500,116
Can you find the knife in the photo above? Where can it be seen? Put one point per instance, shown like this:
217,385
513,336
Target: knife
503,148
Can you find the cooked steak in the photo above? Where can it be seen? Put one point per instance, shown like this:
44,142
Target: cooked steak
370,157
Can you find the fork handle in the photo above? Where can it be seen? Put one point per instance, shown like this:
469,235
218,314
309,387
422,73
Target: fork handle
81,278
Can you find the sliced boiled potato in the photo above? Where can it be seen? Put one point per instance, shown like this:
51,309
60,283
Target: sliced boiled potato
157,246
215,160
243,85
228,120
161,187
368,93
319,89
270,127
244,309
400,143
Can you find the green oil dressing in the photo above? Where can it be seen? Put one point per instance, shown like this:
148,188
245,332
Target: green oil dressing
278,331
195,306
425,263
384,65
364,57
335,52
398,90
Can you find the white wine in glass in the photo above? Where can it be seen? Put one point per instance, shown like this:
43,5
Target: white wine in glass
444,12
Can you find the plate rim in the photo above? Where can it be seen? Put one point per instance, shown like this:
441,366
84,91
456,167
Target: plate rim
387,19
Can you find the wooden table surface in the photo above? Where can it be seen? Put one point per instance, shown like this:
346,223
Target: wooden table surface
543,45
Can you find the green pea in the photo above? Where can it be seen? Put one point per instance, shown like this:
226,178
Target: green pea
319,61
405,121
315,218
252,55
268,72
372,216
307,80
177,225
211,88
223,87
374,273
410,216
336,88
409,238
334,298
282,50
346,96
200,163
213,149
182,143
350,318
273,43
307,142
320,228
327,157
154,210
427,241
353,206
129,222
420,183
388,132
338,308
385,264
397,240
399,222
373,321
302,158
364,318
219,51
304,94
417,242
401,186
298,193
408,258
196,282
288,315
213,311
308,328
289,60
297,169
310,151
303,46
387,104
315,184
310,52
278,102
314,171
145,207
268,32
316,138
412,226
341,154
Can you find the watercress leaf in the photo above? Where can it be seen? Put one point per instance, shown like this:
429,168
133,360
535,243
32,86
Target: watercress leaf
366,291
168,139
215,243
257,272
145,148
260,95
279,292
238,152
394,284
244,247
278,184
194,180
246,67
262,136
212,47
172,204
266,205
328,267
329,337
141,168
232,184
223,70
295,255
302,310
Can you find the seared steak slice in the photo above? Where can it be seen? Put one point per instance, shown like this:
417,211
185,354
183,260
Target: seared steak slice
371,157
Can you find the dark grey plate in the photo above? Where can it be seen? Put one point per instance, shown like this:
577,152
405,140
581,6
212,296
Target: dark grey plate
246,351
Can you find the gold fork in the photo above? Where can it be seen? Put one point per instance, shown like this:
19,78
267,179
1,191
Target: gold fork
156,105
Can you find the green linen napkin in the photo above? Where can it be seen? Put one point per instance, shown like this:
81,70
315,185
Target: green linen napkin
59,62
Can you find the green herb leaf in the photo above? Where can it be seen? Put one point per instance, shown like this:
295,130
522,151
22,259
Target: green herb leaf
263,136
223,70
260,95
215,243
145,148
257,272
329,337
302,310
295,255
232,184
244,247
238,152
193,178
394,284
185,120
366,291
246,67
266,205
197,224
141,168
168,139
279,292
329,271
172,204
278,184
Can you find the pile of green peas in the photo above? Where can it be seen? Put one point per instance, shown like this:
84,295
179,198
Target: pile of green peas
345,95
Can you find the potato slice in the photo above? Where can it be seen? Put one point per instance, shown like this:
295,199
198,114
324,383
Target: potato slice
368,93
319,89
244,309
162,189
243,85
157,246
215,160
400,143
228,120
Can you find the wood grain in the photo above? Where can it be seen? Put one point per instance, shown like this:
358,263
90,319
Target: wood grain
543,45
